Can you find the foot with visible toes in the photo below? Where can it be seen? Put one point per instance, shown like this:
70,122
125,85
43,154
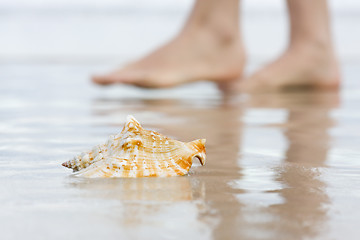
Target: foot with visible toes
189,57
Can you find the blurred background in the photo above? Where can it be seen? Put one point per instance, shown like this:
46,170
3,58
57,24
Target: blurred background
111,32
289,163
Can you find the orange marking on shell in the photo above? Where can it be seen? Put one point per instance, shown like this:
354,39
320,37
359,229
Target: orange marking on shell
184,164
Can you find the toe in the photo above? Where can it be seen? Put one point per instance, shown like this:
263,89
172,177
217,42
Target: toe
233,86
251,84
261,81
117,77
105,79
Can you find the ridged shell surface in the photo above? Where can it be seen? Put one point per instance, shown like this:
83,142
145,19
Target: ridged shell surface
136,152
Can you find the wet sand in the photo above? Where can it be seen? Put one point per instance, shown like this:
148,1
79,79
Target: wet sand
279,166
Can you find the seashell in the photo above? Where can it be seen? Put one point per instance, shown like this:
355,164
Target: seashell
136,152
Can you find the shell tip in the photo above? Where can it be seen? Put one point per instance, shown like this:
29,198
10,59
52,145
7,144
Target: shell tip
131,118
131,122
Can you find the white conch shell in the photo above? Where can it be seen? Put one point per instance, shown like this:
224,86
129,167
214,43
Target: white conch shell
137,152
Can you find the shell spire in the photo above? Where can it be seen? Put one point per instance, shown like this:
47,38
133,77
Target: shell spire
131,125
136,152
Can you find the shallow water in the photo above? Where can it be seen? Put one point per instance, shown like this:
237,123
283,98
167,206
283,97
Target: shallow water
279,166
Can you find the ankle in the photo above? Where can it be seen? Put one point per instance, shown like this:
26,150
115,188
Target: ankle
317,43
220,22
212,36
318,48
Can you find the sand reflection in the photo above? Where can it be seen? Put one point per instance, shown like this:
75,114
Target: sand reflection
141,189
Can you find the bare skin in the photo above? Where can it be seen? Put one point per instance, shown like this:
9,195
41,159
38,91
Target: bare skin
309,60
210,48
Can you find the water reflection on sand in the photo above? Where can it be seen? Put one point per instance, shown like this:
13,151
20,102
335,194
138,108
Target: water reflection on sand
213,200
303,212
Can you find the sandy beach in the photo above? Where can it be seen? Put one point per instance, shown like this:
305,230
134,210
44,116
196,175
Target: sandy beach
279,165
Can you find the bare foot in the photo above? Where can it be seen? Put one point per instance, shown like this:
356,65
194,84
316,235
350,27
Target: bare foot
305,66
192,56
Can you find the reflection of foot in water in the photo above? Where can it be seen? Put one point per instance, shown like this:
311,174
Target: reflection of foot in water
208,48
303,213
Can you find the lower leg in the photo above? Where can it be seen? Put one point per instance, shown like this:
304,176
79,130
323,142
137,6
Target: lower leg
209,47
309,59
